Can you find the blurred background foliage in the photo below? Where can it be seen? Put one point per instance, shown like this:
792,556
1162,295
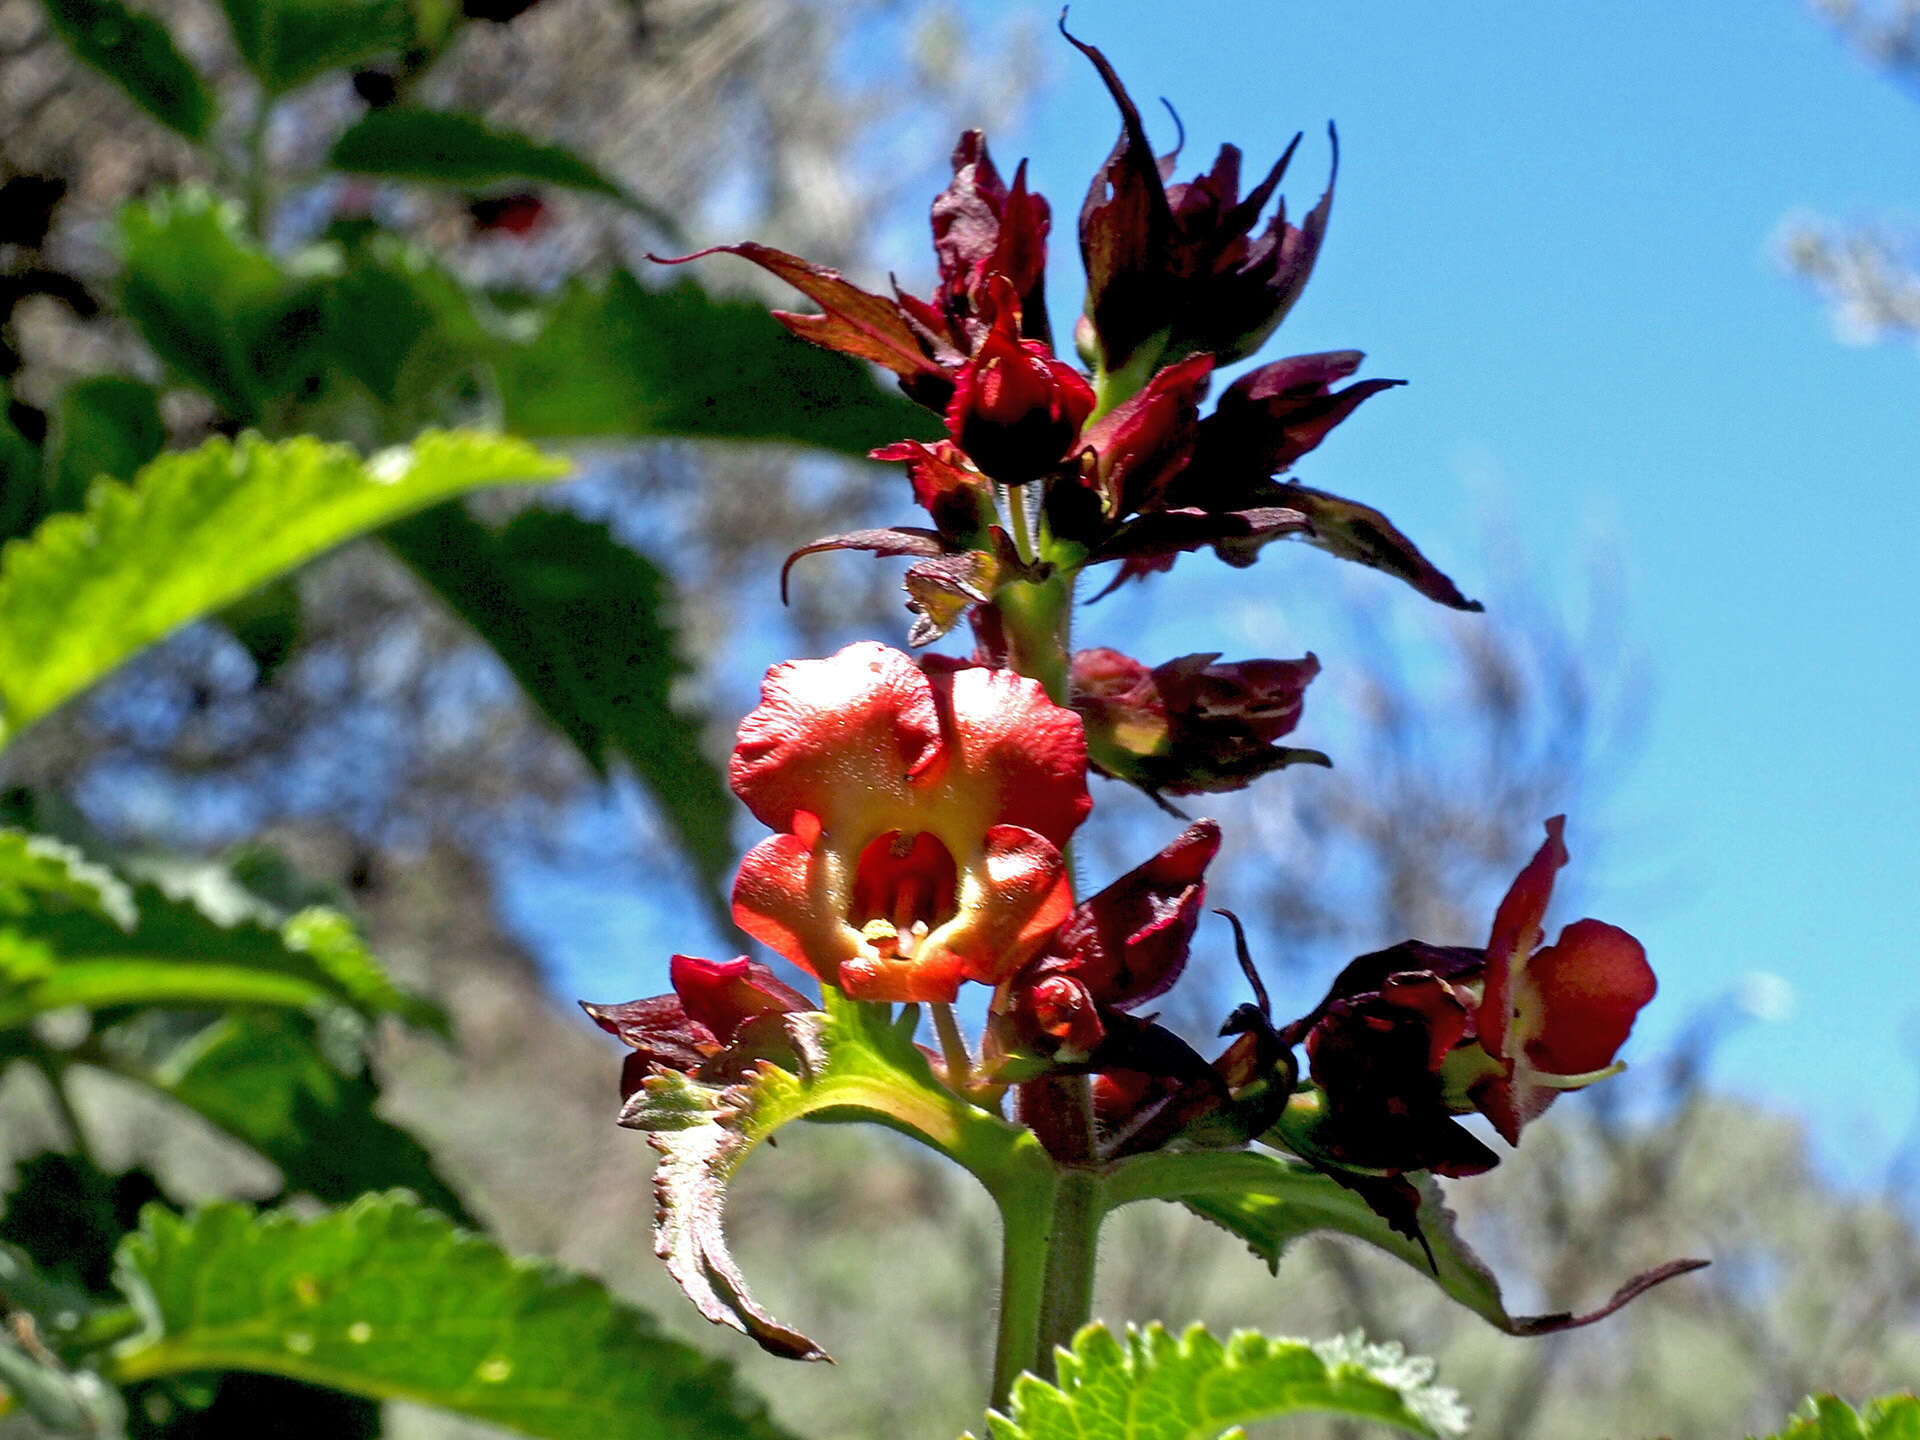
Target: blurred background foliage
345,736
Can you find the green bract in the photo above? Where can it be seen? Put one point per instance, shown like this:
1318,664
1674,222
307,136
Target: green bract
198,530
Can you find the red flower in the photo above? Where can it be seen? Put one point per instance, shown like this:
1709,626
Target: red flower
1016,409
1553,1019
713,1005
1191,725
920,817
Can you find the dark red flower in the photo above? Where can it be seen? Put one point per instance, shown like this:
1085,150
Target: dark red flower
920,821
1116,951
1266,420
982,230
1133,453
1553,1019
1192,725
1016,408
1379,1047
693,1030
1180,266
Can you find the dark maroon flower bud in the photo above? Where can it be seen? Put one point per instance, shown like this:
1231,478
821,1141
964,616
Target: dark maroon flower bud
1133,452
945,484
1269,418
714,1006
517,215
1192,725
1125,225
1016,408
982,229
1115,952
1180,266
1379,1060
1235,289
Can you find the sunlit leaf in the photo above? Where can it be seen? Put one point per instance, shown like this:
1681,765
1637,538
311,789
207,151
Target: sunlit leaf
38,872
1154,1386
388,1300
196,531
73,935
1826,1417
137,53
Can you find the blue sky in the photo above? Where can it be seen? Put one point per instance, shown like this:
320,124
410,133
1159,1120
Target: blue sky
1559,224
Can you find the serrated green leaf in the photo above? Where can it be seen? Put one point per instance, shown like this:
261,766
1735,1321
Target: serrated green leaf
107,426
388,1300
453,148
628,360
1270,1201
37,871
1827,1417
1154,1386
176,955
266,1079
286,42
137,53
213,305
854,1061
584,625
196,531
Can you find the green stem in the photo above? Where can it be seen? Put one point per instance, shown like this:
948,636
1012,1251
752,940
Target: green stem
1024,1235
1066,1290
256,170
1023,545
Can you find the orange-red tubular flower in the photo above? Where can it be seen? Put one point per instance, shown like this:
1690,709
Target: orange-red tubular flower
1552,1019
920,821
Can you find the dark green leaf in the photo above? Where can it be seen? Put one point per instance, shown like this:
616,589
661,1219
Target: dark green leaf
22,494
1159,1387
1269,1202
198,530
106,426
266,1079
452,148
65,1217
285,42
137,53
584,624
628,360
268,626
217,309
386,1299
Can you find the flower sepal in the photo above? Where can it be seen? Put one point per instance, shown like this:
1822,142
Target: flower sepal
849,1061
